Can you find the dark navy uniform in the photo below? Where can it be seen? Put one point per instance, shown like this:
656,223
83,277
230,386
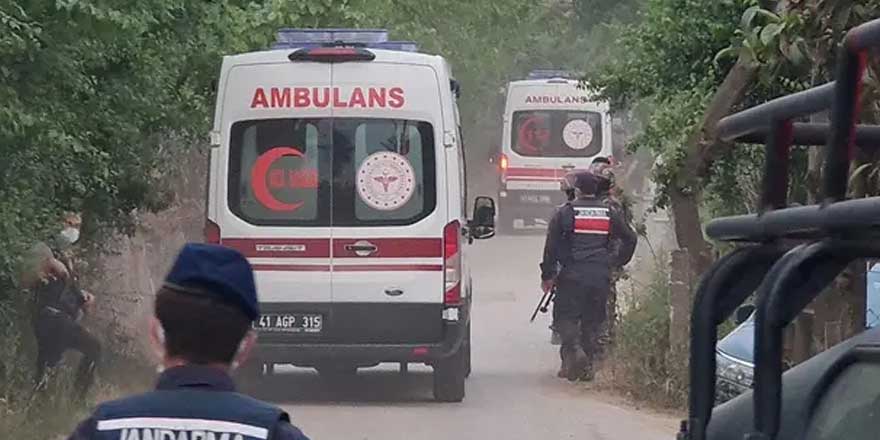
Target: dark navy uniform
197,401
190,402
578,255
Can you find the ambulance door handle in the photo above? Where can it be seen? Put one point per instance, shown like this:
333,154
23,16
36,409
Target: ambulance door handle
568,167
362,248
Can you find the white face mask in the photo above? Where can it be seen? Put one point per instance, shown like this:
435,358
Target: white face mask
70,235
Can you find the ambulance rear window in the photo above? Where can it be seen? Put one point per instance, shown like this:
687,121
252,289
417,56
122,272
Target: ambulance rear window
384,172
557,133
332,172
278,170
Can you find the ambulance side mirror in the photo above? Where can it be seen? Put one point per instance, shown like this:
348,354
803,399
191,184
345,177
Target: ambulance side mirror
483,224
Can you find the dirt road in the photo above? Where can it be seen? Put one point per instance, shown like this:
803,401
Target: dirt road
512,394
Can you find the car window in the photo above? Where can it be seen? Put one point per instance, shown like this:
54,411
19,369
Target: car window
557,133
851,406
740,344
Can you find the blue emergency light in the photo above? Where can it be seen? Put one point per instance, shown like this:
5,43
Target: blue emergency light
550,74
294,38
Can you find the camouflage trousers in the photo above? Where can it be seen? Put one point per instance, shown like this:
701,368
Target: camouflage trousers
606,340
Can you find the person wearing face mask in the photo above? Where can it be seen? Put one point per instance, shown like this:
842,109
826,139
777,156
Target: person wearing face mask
201,331
59,306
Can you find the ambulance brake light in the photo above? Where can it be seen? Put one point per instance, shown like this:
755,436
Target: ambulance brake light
332,55
452,264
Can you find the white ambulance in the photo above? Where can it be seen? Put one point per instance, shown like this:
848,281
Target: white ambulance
338,170
551,127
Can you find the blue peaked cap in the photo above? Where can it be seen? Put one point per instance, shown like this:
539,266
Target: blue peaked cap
215,271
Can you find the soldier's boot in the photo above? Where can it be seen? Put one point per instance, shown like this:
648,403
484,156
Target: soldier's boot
587,374
574,359
555,339
563,367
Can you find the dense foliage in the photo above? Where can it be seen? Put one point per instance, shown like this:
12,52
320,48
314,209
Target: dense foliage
100,99
672,63
89,89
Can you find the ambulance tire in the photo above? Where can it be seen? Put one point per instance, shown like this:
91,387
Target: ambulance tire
466,346
505,226
449,377
505,222
249,378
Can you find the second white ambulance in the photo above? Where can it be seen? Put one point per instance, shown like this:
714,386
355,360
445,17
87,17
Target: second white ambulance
551,127
338,170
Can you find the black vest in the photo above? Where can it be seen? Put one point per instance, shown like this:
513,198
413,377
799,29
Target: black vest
187,414
587,225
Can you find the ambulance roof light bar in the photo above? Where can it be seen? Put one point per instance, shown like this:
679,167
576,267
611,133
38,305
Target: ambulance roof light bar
363,36
291,38
551,74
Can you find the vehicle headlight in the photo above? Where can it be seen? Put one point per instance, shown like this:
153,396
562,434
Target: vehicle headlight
735,372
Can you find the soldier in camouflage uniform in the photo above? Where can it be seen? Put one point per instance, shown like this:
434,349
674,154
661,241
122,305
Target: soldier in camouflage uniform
617,201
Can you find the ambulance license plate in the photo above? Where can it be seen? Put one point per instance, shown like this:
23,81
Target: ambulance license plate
290,323
535,198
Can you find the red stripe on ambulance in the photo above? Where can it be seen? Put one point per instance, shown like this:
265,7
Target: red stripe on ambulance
323,97
414,247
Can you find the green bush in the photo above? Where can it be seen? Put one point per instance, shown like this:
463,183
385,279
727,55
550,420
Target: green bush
641,363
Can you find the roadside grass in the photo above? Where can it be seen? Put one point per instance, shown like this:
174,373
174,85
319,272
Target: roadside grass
52,412
641,364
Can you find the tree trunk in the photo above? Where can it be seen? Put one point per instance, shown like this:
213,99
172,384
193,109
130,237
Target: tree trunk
701,150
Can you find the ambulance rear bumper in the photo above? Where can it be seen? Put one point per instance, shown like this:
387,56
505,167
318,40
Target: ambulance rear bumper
308,354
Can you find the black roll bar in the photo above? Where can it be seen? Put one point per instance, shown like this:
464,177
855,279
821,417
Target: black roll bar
797,105
867,137
802,222
809,267
729,281
845,106
795,280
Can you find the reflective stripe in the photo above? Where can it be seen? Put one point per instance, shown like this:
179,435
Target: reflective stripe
591,221
183,425
592,225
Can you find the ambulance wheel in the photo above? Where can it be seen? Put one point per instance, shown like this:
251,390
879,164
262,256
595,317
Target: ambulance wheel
249,378
505,225
466,346
449,376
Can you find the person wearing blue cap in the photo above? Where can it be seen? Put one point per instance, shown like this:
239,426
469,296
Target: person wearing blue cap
201,329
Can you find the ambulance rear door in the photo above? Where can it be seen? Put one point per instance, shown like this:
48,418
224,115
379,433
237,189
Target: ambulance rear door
389,206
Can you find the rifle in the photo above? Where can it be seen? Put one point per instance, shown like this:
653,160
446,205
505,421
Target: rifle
544,304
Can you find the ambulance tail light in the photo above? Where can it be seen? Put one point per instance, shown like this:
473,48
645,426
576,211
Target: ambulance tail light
332,54
503,165
212,232
452,264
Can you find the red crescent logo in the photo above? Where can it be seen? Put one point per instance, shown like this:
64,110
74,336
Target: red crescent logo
258,179
526,135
